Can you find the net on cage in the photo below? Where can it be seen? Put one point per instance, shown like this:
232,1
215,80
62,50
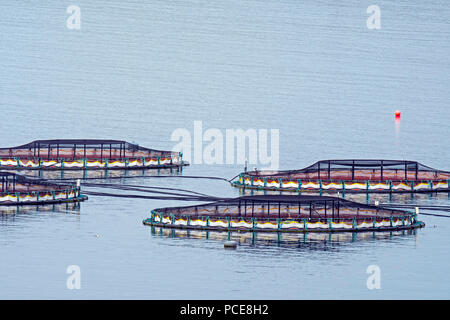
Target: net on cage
363,169
87,148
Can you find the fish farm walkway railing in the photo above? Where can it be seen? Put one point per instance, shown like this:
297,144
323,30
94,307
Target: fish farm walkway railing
278,224
267,183
37,163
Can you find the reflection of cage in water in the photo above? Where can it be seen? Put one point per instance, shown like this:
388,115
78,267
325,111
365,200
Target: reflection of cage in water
284,214
308,240
86,154
351,176
99,173
65,207
19,190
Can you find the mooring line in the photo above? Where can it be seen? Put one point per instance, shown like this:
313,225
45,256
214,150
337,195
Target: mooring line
411,206
435,215
129,177
128,187
138,188
234,177
192,195
136,196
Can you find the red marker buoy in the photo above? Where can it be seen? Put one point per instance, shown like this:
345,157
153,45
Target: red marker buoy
397,113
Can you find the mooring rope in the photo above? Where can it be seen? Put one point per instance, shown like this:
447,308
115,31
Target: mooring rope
140,188
411,206
137,196
128,177
148,189
165,193
234,177
435,215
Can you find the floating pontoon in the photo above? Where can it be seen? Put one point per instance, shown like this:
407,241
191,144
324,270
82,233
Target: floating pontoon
19,190
295,213
86,154
351,176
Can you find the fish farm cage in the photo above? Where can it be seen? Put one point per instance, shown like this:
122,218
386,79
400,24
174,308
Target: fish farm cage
288,213
86,154
20,190
350,176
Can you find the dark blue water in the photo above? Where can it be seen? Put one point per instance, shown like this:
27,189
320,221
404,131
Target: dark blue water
139,71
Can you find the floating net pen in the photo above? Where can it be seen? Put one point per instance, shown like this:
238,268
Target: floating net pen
350,176
86,154
19,190
297,213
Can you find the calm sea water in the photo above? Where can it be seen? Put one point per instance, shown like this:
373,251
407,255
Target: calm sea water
137,72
